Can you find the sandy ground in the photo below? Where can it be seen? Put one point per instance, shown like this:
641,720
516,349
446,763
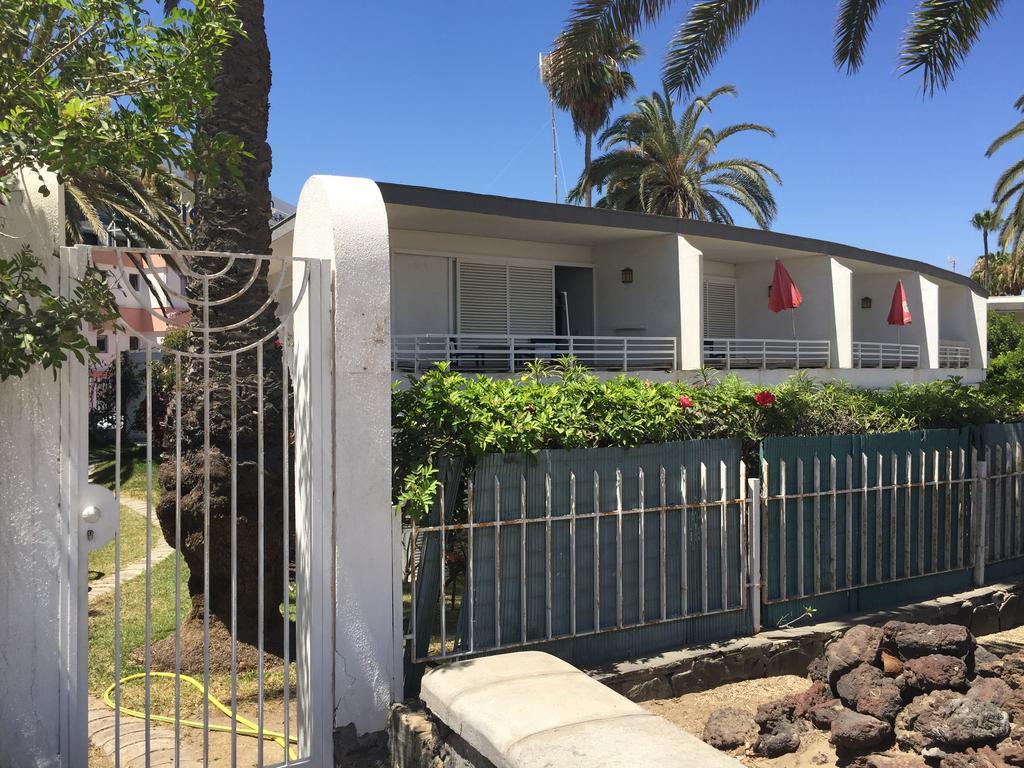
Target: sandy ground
690,712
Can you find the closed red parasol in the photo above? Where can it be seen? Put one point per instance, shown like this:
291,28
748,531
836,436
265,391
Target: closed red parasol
783,293
899,312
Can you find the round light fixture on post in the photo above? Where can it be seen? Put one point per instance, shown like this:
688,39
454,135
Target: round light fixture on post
627,275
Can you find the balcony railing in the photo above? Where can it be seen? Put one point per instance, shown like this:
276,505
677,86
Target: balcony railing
484,353
766,353
954,355
878,354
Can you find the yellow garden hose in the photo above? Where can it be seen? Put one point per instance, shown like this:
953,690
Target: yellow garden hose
248,728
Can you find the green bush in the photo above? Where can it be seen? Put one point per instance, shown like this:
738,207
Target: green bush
563,406
1005,334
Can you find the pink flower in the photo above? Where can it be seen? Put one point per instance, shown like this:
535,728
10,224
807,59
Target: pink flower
685,402
764,398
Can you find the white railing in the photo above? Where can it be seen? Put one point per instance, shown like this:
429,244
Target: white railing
496,353
876,354
766,353
954,355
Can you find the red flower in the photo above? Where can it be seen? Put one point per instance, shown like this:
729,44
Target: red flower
764,397
685,402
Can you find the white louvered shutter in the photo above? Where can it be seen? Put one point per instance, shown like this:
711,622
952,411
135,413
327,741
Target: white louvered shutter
531,294
719,309
483,298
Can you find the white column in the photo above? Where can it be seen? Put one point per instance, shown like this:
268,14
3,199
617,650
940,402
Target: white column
691,307
841,332
34,707
928,299
344,220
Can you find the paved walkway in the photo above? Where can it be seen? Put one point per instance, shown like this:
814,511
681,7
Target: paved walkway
102,723
161,551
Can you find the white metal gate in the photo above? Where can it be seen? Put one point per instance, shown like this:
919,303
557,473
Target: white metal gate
195,489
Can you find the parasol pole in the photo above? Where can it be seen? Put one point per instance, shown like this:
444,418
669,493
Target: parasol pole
792,314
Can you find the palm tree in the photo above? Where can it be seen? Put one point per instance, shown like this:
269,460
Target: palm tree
1009,195
1007,274
985,221
232,212
938,38
589,89
656,164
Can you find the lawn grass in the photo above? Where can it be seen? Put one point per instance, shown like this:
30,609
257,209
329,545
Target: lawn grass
133,545
133,469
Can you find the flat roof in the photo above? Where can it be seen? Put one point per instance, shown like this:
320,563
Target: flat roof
546,222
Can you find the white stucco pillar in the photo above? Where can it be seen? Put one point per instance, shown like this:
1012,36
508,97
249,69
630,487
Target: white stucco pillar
841,332
33,536
924,293
344,219
690,355
978,338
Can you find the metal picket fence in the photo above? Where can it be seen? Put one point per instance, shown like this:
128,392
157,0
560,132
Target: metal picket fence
595,545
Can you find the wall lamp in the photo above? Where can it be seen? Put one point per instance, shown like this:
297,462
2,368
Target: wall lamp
627,275
865,303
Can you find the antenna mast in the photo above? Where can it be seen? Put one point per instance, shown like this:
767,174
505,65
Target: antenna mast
554,139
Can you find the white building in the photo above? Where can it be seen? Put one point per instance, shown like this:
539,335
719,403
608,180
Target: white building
490,283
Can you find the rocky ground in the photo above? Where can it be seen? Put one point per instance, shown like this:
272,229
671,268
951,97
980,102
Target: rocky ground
898,696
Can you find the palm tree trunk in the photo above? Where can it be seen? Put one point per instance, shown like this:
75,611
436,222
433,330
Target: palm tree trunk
233,216
984,240
587,141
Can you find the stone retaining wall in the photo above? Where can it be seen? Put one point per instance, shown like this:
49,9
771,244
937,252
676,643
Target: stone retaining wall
983,611
418,740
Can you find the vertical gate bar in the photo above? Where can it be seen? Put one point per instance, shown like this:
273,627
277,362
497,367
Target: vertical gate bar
879,470
206,516
765,485
816,527
800,543
444,572
908,478
948,522
684,511
744,548
597,552
723,531
864,519
547,552
832,523
979,511
893,517
522,558
755,554
1018,496
662,575
234,559
641,547
177,559
848,560
935,510
921,505
783,563
618,547
470,589
148,655
704,537
285,500
572,553
117,563
260,554
497,562
960,532
998,543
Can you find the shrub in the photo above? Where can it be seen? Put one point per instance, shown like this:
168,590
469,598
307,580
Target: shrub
447,414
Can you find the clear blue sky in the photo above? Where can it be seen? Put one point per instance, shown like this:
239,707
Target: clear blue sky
446,94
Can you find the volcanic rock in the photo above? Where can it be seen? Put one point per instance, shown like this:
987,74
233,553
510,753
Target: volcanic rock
935,671
881,699
729,728
785,737
849,686
852,730
913,640
990,689
859,645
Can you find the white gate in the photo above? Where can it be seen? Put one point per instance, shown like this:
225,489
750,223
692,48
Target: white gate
196,494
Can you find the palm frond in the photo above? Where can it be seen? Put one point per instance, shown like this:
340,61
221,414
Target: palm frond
941,34
1015,132
853,25
699,43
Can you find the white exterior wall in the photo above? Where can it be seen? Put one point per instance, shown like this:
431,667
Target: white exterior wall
815,318
411,241
962,318
32,535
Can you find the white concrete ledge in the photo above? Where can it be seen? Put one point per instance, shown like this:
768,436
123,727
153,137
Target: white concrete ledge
532,710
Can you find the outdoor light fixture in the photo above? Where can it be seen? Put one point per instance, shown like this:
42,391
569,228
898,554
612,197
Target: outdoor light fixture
865,303
627,275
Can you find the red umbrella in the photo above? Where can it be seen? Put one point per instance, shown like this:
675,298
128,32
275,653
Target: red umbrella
783,293
899,312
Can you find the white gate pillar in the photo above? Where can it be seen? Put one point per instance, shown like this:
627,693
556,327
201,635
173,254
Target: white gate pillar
344,220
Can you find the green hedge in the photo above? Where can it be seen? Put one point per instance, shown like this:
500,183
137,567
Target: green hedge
564,406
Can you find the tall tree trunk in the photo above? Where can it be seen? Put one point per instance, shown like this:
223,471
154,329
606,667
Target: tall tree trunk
984,240
233,216
586,168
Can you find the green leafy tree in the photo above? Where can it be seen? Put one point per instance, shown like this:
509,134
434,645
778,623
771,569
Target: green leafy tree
589,89
985,221
1005,334
657,164
1006,274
